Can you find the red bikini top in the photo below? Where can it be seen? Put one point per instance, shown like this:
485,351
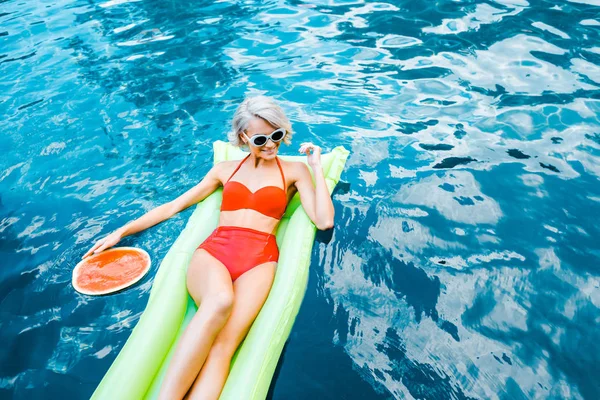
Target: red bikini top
268,200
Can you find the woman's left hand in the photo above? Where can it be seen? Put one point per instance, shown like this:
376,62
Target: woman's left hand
313,153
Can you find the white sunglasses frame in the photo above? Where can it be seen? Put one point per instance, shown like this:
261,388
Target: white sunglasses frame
269,137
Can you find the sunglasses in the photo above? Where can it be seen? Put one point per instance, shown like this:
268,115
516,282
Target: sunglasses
260,140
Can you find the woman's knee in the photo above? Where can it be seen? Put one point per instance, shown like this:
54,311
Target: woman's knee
219,304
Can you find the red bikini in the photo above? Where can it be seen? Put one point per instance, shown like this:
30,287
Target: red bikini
241,249
268,200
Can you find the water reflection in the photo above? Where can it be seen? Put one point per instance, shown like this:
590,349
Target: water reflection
463,263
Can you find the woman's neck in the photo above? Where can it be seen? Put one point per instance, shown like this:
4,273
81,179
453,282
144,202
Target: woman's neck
259,162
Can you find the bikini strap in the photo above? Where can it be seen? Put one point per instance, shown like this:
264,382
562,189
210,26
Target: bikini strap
238,167
282,176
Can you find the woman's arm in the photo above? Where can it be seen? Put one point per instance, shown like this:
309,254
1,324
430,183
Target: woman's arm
157,215
315,199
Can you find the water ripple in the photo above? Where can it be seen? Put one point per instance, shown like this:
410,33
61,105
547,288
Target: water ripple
463,263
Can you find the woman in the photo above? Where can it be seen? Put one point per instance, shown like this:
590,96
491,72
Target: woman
231,272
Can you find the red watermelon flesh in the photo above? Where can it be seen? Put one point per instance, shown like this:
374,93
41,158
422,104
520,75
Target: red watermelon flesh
110,270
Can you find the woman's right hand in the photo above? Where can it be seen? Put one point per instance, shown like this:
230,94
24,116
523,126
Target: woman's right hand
105,243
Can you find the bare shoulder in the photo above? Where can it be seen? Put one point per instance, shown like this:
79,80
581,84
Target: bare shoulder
226,165
222,170
295,170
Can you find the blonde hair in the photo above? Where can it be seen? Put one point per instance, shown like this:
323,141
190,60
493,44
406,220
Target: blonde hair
258,107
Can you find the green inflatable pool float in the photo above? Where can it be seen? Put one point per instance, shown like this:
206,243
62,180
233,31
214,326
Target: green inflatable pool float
139,369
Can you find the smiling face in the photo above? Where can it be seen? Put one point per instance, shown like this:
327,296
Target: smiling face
258,126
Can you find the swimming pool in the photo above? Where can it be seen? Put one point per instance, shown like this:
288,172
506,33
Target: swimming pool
464,261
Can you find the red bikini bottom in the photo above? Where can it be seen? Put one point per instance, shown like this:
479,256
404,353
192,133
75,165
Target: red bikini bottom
241,249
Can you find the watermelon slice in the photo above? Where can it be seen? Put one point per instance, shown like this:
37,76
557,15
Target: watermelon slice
110,271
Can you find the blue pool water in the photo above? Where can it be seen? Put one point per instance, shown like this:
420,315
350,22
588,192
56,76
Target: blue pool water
464,261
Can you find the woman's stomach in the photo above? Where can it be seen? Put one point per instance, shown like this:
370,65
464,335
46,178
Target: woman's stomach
250,219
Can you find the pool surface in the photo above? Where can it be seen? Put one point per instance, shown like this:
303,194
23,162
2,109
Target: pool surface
465,258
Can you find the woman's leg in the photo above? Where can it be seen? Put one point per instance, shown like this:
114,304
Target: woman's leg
209,284
250,292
